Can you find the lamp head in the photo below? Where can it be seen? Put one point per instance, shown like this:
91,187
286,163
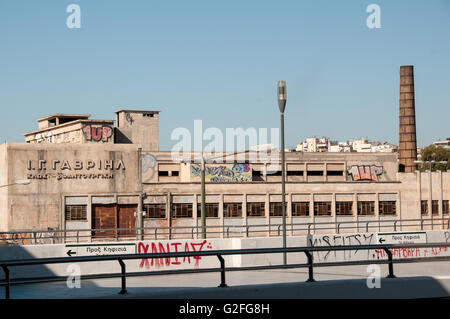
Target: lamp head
282,95
23,182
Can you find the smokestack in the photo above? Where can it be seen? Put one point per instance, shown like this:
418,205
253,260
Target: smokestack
407,143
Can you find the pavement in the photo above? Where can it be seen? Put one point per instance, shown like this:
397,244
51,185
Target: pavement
428,278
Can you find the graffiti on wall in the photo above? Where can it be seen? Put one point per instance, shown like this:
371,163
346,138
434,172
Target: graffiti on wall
365,172
97,133
174,247
148,162
239,172
368,239
26,238
148,166
401,253
44,137
342,240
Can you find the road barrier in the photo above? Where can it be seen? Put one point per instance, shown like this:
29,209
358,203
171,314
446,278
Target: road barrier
7,282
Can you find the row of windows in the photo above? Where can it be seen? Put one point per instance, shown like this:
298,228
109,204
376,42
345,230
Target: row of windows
258,174
434,207
180,210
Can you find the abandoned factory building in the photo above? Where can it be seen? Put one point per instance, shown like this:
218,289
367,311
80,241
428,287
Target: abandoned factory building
101,174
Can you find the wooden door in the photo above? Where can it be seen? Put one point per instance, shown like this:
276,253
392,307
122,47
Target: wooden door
104,217
127,219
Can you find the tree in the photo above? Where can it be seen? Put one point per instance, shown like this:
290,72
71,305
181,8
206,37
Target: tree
437,154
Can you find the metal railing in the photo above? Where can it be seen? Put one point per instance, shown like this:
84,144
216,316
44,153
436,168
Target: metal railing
308,251
54,236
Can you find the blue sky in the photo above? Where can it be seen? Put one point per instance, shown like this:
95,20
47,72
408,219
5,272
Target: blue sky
219,61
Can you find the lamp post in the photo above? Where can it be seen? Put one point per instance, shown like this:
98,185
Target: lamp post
203,208
430,204
202,179
282,96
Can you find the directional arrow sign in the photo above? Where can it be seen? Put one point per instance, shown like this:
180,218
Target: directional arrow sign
101,249
403,238
70,253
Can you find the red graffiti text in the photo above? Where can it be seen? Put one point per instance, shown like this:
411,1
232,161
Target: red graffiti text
174,247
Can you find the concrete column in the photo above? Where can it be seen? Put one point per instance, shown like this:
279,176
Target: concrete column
139,217
355,210
441,197
244,211
62,216
221,217
267,212
333,209
377,210
289,212
419,194
89,215
194,212
169,213
398,205
430,195
311,211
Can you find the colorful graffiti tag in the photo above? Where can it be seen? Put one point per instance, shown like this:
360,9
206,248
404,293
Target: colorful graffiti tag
365,172
148,162
100,133
159,247
239,172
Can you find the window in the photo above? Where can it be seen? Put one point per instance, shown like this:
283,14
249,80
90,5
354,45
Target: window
335,173
76,212
212,209
387,208
366,208
344,208
314,173
255,209
232,210
163,173
300,209
322,208
175,173
424,207
181,210
445,207
257,176
294,173
155,210
276,209
435,207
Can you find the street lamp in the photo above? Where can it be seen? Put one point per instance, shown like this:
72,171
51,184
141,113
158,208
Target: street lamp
430,204
282,96
18,182
203,205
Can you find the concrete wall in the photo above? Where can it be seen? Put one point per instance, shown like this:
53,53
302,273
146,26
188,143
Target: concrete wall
179,245
57,172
